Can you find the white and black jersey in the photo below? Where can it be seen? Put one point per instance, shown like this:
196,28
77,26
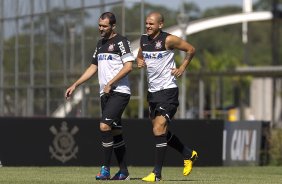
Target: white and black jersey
110,56
159,62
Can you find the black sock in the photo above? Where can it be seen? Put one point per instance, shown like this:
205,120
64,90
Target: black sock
160,150
120,152
107,145
174,142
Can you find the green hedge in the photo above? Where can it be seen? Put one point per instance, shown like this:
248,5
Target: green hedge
276,147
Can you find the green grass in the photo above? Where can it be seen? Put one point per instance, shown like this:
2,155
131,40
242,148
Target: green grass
171,175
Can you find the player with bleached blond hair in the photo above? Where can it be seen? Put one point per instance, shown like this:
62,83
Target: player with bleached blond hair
156,54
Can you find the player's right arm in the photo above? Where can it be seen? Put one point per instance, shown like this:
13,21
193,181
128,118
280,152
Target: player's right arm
89,72
140,59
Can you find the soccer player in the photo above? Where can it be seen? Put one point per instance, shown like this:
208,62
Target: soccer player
156,54
112,59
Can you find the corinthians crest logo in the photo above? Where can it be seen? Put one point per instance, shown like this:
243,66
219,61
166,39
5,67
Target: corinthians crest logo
63,148
158,44
111,47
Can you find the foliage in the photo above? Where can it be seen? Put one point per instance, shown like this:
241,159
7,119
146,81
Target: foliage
276,147
259,47
220,11
133,18
58,20
263,5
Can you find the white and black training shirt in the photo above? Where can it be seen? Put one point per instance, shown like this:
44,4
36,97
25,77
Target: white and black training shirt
110,56
159,62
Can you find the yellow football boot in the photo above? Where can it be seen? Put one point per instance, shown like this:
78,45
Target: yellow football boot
151,178
188,164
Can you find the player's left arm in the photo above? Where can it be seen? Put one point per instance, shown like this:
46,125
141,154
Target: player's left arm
127,68
174,42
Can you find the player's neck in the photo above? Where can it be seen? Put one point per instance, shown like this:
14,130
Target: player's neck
111,36
155,35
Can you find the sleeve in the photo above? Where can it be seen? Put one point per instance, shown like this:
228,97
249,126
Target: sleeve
125,51
142,41
94,58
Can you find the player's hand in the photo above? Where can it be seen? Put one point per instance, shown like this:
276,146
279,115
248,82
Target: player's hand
176,72
107,88
69,92
140,63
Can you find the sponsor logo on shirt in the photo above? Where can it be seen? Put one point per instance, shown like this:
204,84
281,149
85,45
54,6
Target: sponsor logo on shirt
153,55
121,47
105,57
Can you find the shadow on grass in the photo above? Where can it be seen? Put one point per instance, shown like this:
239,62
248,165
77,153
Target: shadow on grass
166,180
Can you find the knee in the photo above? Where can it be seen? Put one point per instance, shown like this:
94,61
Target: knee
159,129
104,127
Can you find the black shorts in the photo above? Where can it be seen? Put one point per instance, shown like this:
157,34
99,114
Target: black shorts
113,105
164,102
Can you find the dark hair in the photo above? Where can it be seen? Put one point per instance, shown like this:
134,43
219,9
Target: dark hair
110,16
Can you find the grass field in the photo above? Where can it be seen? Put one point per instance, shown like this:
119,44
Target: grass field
171,175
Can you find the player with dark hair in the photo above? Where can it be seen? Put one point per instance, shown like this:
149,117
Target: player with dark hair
156,54
112,59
